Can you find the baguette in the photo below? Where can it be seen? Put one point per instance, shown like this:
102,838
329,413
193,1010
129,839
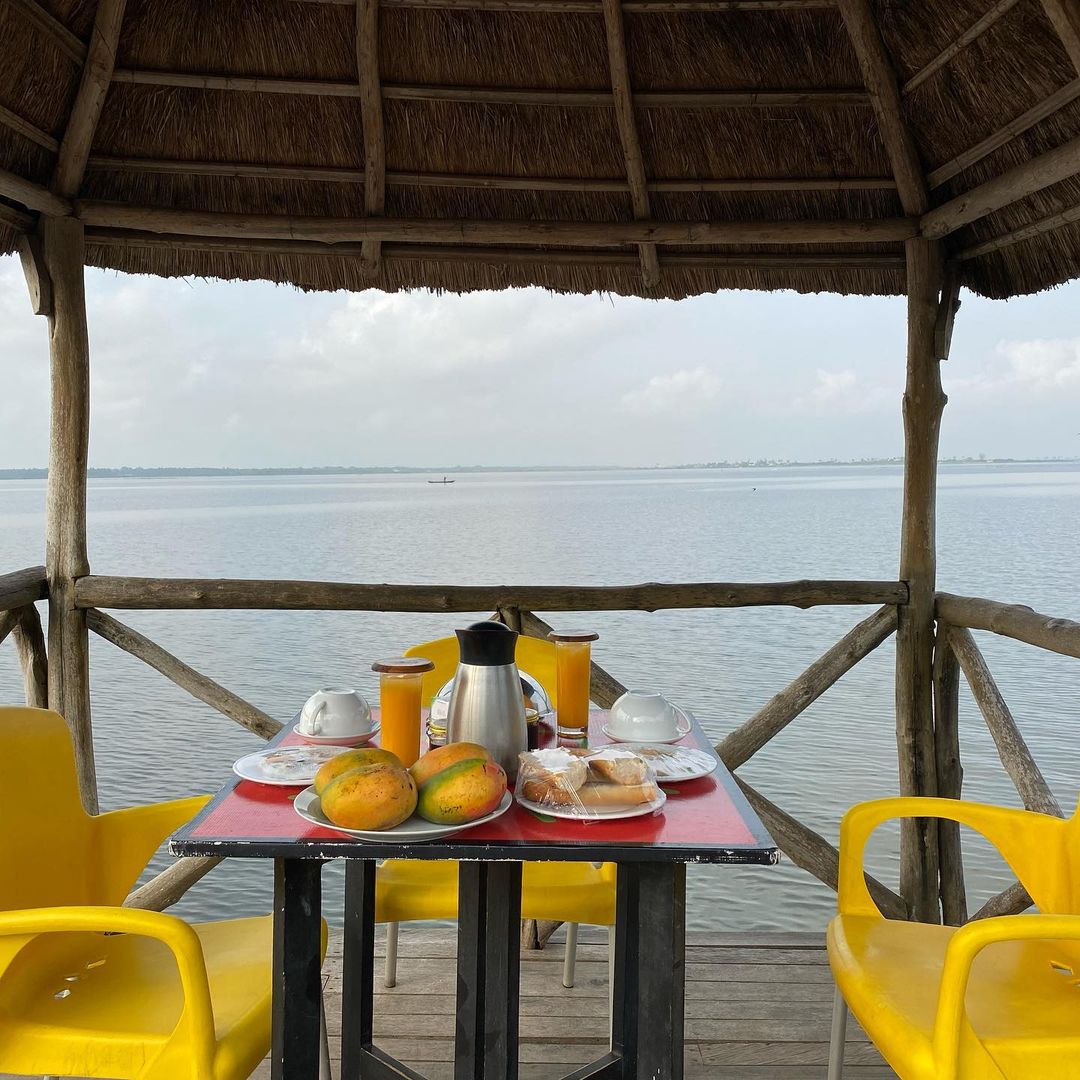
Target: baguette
592,794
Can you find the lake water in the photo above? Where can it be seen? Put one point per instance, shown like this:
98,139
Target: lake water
1005,531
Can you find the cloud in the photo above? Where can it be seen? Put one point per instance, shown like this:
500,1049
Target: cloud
688,390
1037,367
843,392
1043,364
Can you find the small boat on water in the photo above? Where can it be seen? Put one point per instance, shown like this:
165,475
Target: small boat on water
442,481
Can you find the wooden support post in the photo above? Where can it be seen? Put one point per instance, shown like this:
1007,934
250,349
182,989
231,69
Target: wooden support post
65,530
30,646
32,257
1030,783
923,404
950,775
172,883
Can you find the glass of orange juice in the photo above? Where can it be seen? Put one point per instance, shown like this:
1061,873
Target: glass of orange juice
400,685
573,663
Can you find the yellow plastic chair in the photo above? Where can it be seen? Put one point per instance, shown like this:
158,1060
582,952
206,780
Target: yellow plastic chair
90,988
998,998
411,890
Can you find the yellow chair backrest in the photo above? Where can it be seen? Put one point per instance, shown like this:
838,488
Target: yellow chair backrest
534,657
46,837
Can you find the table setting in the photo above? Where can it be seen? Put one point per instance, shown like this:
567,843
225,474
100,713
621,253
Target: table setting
491,770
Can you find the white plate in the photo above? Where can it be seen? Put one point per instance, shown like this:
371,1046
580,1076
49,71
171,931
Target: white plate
414,830
685,727
336,740
673,764
285,766
595,813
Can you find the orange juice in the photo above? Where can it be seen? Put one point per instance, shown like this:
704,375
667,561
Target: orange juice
400,688
573,660
399,725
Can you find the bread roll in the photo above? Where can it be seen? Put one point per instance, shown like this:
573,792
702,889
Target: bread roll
618,766
555,766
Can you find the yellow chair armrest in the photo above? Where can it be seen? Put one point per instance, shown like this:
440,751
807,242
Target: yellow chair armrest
174,933
127,839
964,946
853,897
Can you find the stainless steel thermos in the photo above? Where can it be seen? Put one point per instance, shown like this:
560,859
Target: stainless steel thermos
486,704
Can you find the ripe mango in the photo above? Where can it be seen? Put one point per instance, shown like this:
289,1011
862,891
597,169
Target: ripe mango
462,792
374,797
352,759
442,757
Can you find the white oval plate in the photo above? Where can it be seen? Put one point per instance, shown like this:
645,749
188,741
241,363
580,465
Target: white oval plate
414,830
685,727
285,766
673,764
336,740
595,813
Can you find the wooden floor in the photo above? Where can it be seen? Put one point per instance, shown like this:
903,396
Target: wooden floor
758,1007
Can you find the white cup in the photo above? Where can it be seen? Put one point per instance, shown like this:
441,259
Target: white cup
645,716
335,712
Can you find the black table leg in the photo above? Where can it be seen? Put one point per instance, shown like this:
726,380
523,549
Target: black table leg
294,1052
489,935
650,961
358,965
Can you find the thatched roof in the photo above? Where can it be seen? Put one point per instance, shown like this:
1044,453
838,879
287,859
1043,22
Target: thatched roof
747,144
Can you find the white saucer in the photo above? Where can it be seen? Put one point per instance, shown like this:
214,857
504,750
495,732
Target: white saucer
336,740
685,727
414,830
284,766
673,764
595,813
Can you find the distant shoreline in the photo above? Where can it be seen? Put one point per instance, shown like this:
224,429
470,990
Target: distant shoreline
138,473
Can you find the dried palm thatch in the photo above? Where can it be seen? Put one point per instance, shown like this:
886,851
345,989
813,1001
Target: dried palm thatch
283,130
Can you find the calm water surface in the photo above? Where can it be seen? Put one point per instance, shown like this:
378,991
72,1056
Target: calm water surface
1008,532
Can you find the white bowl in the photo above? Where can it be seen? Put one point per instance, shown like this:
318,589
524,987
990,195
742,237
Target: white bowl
645,716
335,712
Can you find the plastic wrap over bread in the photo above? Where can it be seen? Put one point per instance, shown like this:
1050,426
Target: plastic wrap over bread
588,783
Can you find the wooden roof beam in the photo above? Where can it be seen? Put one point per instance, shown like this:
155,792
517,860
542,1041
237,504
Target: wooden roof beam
628,134
27,130
70,44
371,115
1025,232
1058,100
32,196
1017,183
470,231
18,220
593,7
973,32
1065,17
327,174
674,99
122,238
880,80
90,98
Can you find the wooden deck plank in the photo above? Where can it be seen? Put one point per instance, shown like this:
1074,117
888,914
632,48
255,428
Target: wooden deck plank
758,1007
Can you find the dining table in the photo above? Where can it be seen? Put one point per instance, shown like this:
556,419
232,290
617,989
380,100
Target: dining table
705,820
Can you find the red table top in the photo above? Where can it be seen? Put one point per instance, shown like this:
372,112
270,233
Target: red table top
706,820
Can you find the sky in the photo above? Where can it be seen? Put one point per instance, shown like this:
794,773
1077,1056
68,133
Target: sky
205,373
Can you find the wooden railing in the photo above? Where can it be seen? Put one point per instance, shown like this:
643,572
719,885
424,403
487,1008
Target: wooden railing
514,605
955,651
20,619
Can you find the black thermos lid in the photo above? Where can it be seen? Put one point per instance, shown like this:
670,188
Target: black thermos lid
487,644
